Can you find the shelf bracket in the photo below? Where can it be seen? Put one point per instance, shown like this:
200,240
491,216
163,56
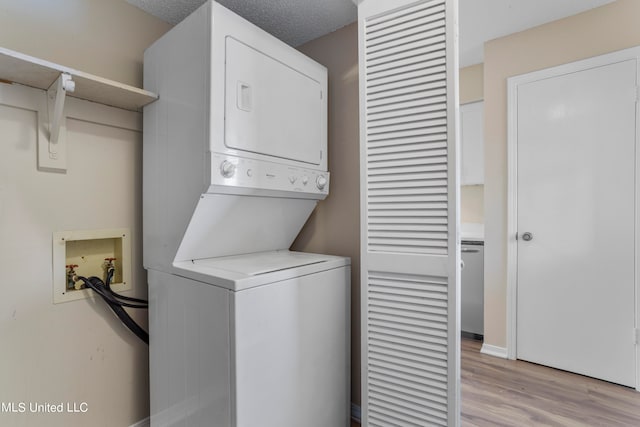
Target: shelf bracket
52,154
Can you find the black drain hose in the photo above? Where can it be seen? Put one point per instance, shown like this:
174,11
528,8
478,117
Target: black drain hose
111,298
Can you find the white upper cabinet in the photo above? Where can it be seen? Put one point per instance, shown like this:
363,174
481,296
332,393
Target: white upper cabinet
472,142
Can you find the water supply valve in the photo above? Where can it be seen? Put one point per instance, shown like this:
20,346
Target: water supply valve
71,276
109,267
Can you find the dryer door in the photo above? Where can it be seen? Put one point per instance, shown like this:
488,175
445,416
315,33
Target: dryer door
271,108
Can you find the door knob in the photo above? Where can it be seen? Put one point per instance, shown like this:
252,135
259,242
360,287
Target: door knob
527,236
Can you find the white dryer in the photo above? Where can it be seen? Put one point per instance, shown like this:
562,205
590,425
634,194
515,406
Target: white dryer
243,332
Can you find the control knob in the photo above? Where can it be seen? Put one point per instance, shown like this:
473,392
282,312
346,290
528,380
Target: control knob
227,169
321,182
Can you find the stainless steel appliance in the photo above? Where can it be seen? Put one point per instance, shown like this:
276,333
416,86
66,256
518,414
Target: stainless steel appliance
472,295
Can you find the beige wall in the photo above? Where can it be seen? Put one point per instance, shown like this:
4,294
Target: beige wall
76,351
602,30
472,204
472,196
102,37
472,83
334,227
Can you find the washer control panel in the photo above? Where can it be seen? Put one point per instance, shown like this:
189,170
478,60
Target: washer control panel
261,175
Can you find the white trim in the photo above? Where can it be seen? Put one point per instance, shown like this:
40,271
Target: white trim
512,217
495,351
453,222
142,423
512,191
32,99
92,112
356,412
637,224
35,72
364,265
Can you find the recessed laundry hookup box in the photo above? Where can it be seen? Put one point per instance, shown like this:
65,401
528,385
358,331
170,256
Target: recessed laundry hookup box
87,253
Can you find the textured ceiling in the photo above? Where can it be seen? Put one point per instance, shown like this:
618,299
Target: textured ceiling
293,21
298,21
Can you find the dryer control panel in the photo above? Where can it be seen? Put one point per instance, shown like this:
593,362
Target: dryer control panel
238,175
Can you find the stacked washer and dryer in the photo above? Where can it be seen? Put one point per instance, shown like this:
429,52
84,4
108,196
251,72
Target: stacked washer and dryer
243,332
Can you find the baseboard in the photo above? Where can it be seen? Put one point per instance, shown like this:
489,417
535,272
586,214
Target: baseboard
494,351
142,423
356,413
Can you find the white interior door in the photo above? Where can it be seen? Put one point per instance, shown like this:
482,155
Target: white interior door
410,255
576,196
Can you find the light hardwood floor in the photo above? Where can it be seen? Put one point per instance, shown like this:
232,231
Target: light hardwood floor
513,393
498,392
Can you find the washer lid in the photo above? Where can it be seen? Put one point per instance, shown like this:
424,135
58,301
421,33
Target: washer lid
241,272
261,262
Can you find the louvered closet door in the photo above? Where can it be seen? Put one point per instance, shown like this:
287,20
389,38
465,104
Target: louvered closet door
409,211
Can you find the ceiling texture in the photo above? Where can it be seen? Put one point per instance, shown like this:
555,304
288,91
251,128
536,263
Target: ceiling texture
298,21
295,22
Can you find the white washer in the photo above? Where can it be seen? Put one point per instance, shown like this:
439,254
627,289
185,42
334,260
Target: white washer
251,340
